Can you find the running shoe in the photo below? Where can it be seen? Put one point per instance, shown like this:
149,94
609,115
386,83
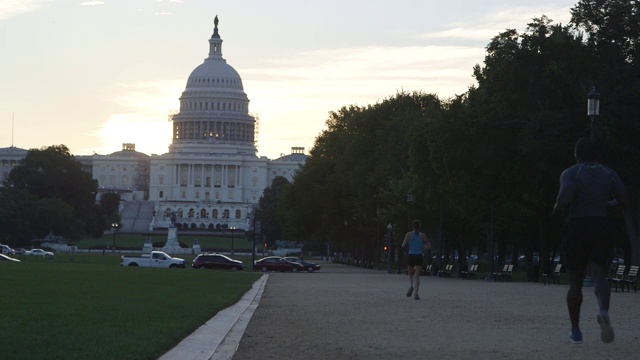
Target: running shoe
606,331
417,297
410,291
575,336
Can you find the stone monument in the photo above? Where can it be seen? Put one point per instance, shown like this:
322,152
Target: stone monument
172,246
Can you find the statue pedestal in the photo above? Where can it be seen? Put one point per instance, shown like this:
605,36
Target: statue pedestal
196,249
147,248
172,246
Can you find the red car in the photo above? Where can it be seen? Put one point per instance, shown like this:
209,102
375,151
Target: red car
277,263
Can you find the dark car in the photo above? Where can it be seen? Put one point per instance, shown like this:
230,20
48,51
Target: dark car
277,263
216,261
309,266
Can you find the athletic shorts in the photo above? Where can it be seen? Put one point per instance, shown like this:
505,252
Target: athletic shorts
415,260
586,239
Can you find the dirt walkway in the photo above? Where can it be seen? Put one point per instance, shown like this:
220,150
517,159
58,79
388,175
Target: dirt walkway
345,312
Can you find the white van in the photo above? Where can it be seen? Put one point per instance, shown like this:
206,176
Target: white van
7,250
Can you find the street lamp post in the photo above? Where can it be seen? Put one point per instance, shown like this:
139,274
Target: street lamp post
232,229
593,110
409,203
389,252
400,250
114,227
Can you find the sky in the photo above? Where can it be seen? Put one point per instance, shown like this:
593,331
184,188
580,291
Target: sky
93,75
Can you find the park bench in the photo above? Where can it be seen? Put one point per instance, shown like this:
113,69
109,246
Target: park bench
446,272
426,270
505,275
630,279
618,277
497,274
471,273
555,276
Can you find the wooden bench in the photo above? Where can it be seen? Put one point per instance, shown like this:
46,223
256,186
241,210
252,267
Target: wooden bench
630,279
618,277
555,276
471,273
507,275
496,275
426,270
446,272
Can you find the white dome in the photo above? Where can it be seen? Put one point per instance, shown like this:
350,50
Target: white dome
214,109
215,73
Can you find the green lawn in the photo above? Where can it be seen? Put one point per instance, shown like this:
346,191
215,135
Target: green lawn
89,307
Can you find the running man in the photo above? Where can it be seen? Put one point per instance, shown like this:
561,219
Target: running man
586,188
417,242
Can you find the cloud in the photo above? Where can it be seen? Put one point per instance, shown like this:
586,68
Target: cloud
488,27
143,119
10,8
92,3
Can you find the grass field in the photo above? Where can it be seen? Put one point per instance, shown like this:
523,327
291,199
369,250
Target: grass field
89,307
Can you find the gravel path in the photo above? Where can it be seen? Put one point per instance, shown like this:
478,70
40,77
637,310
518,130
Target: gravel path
344,312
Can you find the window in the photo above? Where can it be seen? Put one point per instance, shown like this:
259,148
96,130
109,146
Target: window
161,180
161,194
215,213
238,214
225,214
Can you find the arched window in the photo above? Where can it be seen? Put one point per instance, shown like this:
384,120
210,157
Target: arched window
238,214
225,214
203,214
191,213
215,213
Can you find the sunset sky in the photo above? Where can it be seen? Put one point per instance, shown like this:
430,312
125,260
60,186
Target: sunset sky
95,74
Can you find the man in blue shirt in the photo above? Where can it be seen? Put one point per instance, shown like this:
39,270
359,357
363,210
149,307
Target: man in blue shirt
586,189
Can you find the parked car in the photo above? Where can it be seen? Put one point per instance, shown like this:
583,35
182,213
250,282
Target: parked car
216,261
6,250
154,259
20,251
277,263
311,267
39,252
4,257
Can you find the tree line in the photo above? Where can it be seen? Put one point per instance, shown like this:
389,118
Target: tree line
480,170
49,192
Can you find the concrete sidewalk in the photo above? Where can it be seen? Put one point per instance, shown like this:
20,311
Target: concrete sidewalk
219,337
343,312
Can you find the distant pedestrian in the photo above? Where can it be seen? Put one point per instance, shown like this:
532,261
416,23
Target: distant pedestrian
417,242
586,188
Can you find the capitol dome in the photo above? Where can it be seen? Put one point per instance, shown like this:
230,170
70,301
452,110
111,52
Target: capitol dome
214,109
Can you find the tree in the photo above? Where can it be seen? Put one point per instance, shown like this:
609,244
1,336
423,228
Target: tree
612,29
54,177
267,212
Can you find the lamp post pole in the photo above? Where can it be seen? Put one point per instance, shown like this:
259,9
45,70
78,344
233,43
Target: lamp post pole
114,227
389,252
593,110
401,251
232,229
253,240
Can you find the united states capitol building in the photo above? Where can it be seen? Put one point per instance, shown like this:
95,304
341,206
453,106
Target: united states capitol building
211,178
